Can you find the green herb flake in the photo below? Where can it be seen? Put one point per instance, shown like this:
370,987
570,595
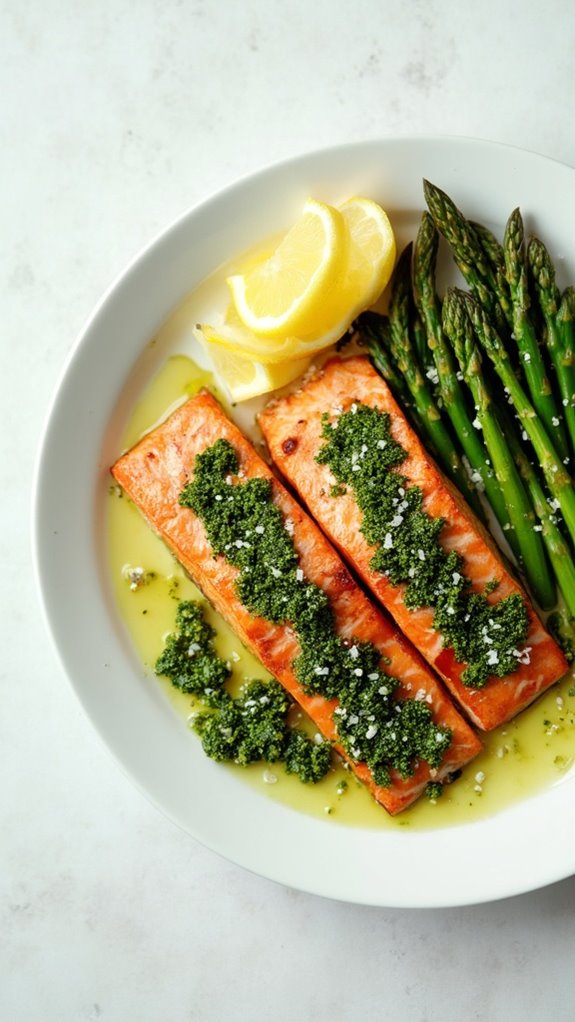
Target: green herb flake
433,790
189,659
362,454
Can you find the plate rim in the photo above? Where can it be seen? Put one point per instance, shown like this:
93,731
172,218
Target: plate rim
489,893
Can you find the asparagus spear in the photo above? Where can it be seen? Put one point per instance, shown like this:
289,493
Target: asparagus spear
557,478
562,627
562,622
532,557
555,543
524,332
423,352
543,274
374,331
566,325
491,246
566,321
493,249
470,257
405,358
454,402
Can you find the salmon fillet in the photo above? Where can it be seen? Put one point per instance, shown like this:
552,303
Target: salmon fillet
153,474
292,427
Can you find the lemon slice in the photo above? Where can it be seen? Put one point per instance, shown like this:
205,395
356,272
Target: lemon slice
284,294
372,250
367,267
239,340
245,378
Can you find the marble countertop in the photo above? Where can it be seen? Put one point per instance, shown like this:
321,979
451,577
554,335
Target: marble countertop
116,117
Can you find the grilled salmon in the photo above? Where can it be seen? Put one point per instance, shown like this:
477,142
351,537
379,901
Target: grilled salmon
154,473
292,427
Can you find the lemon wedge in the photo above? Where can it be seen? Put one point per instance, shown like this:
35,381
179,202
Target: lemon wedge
245,378
372,252
284,294
287,307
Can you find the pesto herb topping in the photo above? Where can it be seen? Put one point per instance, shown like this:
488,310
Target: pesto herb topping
244,730
363,455
244,525
433,790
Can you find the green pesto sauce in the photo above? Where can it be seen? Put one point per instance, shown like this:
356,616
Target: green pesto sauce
246,729
244,525
362,455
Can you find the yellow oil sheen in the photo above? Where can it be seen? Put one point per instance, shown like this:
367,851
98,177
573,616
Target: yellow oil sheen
519,759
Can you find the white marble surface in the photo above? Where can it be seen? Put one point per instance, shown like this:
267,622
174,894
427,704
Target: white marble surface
115,117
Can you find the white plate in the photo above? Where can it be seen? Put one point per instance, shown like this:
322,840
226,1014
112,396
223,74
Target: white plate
528,845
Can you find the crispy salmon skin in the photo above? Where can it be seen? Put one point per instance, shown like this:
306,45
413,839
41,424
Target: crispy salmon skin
292,427
154,473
